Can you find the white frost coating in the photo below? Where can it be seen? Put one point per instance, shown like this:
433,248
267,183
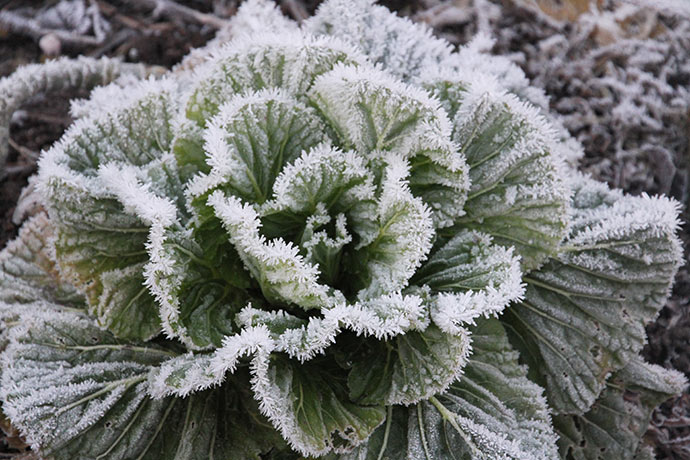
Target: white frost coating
126,182
27,81
450,311
493,445
475,58
373,206
124,90
313,239
399,45
289,61
657,215
474,64
323,168
252,17
206,371
628,225
470,277
346,86
384,318
161,273
51,388
404,236
372,111
277,264
55,170
227,164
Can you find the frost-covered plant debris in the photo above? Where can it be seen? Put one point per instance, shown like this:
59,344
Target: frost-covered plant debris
341,240
616,73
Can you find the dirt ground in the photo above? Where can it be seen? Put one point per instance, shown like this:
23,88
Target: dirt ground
137,34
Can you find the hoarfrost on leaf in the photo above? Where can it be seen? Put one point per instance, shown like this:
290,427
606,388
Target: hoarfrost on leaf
584,312
301,241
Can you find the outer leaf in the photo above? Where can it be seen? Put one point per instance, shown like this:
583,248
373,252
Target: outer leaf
27,81
27,269
615,424
492,412
100,242
584,312
72,389
76,393
199,289
518,193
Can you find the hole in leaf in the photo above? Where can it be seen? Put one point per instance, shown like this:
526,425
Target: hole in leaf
595,351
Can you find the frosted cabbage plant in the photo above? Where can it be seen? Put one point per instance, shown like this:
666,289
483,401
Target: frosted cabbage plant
340,240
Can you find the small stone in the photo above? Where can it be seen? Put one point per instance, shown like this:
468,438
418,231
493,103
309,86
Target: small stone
50,45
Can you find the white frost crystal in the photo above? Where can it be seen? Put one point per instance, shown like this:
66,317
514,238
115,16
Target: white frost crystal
331,240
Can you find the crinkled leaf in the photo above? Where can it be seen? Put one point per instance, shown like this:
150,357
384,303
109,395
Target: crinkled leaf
472,278
290,61
287,63
323,175
263,332
281,272
250,141
614,425
199,289
408,368
491,412
398,240
372,112
308,403
105,253
584,312
100,242
518,193
73,389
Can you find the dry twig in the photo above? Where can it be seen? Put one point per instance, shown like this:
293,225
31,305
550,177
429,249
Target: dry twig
172,10
30,27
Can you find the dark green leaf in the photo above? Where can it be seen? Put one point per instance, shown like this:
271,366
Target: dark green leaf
584,312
